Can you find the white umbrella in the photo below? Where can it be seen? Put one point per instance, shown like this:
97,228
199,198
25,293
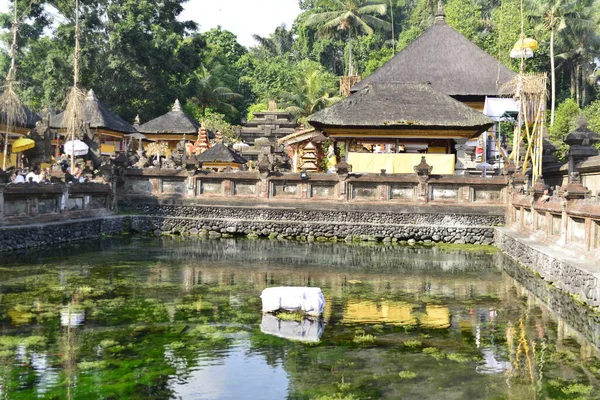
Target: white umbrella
76,148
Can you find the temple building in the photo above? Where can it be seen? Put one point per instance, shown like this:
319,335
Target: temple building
171,127
272,125
219,157
428,99
391,125
105,130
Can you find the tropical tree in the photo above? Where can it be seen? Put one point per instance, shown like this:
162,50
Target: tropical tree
278,43
555,16
210,94
581,48
355,17
314,90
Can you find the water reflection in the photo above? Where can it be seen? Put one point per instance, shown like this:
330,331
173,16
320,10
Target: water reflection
182,318
304,330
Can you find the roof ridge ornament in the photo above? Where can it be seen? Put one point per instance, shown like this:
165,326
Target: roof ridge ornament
91,96
440,15
176,106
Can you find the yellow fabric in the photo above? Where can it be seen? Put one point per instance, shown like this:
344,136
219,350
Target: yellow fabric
443,164
436,150
11,160
107,148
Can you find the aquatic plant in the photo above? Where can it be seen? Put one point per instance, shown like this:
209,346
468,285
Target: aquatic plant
407,374
363,339
413,344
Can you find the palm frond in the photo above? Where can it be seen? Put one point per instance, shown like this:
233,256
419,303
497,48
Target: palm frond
380,9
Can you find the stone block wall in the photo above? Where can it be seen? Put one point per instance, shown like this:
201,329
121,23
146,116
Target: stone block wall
38,235
318,224
575,277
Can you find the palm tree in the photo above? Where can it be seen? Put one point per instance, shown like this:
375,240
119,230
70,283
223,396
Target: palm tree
314,91
353,16
211,94
555,16
582,47
278,43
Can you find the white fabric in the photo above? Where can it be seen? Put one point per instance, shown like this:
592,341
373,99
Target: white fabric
32,177
496,107
19,179
77,147
307,299
306,330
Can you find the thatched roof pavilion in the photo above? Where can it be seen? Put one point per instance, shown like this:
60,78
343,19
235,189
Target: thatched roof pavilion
412,110
171,126
449,61
382,120
219,157
98,117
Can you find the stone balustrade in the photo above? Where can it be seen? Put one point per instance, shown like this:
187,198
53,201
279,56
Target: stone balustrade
168,185
572,224
33,202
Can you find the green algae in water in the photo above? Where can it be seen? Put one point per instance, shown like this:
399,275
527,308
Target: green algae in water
161,315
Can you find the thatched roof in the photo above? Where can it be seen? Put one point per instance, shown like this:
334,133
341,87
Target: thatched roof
30,118
400,105
221,153
97,115
175,121
451,62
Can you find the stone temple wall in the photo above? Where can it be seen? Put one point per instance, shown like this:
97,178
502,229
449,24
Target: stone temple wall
318,224
579,277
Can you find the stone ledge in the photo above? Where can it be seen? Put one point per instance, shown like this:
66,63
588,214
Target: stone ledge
575,273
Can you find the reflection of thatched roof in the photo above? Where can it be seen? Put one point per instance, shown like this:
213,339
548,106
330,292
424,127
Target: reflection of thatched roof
400,105
97,115
453,64
175,121
221,153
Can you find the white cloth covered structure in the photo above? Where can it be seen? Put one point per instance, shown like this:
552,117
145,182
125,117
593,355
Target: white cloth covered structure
307,299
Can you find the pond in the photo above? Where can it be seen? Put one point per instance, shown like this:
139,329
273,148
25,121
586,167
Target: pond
161,318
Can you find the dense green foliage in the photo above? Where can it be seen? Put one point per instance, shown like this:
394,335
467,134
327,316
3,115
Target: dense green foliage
138,56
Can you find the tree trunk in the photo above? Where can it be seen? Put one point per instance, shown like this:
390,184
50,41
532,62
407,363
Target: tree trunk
577,85
350,66
553,78
393,35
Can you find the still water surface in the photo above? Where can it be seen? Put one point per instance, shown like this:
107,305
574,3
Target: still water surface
138,318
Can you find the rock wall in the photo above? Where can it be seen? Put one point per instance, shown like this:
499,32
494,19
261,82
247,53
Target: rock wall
317,224
572,276
28,236
582,319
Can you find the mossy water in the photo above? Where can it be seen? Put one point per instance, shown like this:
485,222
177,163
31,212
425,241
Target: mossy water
168,317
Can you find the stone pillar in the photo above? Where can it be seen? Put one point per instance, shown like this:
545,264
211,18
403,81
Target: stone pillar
423,171
264,169
64,199
343,170
564,223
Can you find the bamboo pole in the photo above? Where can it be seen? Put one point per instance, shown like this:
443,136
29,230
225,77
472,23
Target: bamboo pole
75,81
10,79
